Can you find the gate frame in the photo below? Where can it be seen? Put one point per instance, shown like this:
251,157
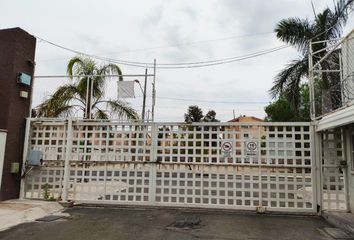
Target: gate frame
68,123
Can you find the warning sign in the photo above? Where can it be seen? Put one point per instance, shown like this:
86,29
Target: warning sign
251,148
226,147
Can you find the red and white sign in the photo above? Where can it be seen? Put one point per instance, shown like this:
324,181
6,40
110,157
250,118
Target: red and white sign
251,148
226,147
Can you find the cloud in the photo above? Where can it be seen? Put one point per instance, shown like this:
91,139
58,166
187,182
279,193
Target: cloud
120,29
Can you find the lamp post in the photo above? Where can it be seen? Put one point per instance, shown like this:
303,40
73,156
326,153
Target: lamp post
144,95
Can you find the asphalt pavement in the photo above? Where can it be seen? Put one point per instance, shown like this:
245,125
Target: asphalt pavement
86,223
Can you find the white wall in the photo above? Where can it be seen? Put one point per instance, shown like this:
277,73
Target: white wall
2,152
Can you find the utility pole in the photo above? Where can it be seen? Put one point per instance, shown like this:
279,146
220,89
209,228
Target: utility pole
144,99
153,94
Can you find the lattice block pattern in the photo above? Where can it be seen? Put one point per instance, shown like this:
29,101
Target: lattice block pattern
50,138
333,192
109,182
234,187
333,189
250,144
225,165
111,142
46,179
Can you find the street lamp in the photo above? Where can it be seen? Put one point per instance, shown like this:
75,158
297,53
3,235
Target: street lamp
144,95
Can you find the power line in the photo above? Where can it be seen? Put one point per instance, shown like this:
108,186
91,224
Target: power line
208,101
196,42
178,44
172,65
235,59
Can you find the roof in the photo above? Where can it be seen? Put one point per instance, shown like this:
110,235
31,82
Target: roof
252,118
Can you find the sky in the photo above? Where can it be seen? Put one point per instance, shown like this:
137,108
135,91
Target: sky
170,31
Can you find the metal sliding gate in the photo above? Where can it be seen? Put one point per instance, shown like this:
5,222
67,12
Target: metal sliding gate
214,165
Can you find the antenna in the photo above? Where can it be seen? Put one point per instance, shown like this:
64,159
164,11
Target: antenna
313,8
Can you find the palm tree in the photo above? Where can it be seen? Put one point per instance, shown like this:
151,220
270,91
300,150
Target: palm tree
298,33
71,97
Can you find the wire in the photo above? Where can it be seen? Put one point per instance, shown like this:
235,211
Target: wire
214,62
208,101
195,42
236,59
171,65
169,46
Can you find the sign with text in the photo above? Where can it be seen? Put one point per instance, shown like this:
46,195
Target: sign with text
251,148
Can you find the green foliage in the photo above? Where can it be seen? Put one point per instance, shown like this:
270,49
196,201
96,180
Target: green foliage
297,32
304,106
70,98
210,117
282,110
195,114
46,191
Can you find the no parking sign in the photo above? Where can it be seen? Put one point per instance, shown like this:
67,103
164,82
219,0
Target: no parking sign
226,147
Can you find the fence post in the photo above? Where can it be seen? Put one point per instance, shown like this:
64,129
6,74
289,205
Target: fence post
24,157
153,165
68,151
316,168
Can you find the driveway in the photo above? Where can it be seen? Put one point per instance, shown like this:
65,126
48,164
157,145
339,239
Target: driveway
136,223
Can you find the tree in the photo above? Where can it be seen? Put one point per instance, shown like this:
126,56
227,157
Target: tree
298,33
194,114
71,97
210,117
280,111
284,111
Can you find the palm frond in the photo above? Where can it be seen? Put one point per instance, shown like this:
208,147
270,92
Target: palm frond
296,32
58,103
112,68
340,16
100,114
121,109
74,63
289,79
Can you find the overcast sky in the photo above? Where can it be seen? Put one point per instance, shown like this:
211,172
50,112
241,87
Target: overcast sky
125,29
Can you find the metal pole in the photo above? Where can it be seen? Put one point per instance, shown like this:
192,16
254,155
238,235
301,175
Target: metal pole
144,99
87,97
91,97
311,85
153,94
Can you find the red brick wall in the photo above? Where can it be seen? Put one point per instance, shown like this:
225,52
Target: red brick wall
17,51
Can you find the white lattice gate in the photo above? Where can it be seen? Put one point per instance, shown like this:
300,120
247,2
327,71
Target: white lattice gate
220,165
333,174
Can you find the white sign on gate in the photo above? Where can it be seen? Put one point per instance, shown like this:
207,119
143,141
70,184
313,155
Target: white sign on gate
251,148
226,148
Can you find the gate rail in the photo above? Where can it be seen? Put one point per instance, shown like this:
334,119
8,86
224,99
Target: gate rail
214,165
